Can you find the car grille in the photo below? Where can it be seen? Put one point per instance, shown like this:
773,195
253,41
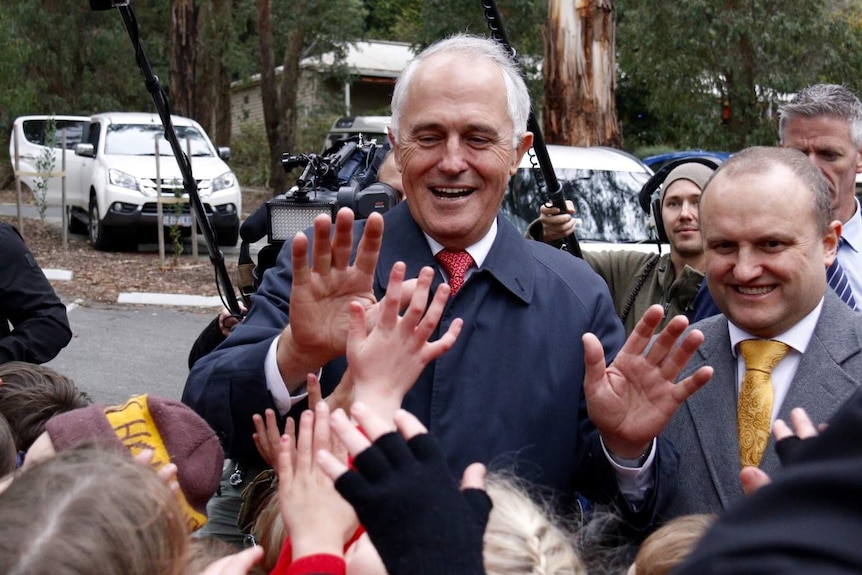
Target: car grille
171,184
150,208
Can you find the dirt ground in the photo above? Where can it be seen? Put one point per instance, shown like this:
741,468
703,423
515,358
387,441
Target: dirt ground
98,277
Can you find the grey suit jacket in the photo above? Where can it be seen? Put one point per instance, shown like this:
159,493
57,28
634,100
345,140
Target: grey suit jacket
704,428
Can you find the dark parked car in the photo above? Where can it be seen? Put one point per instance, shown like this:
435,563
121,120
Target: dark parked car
656,162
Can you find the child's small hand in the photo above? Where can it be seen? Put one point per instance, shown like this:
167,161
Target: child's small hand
386,361
316,517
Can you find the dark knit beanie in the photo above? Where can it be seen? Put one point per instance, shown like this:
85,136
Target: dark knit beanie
174,432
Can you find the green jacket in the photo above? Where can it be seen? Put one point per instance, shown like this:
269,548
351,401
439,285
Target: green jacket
622,270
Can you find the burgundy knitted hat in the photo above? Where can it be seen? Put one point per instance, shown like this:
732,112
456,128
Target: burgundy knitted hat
174,432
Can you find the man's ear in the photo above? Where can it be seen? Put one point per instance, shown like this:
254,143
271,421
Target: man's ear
524,145
395,149
830,242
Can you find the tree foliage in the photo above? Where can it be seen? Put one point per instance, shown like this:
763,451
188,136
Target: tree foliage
712,74
691,73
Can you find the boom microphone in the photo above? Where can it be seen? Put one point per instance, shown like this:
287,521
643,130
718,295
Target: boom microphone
107,4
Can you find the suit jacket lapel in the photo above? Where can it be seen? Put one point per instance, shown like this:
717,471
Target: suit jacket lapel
403,240
713,411
822,382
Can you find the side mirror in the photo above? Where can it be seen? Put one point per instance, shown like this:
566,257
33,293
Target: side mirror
224,153
86,150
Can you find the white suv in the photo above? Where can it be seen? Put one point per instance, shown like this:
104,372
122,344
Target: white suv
111,184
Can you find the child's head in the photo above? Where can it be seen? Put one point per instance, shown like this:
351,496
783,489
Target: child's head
90,510
174,433
269,532
670,544
204,551
522,537
8,452
30,395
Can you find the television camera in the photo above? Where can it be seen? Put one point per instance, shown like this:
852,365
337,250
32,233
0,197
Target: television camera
344,175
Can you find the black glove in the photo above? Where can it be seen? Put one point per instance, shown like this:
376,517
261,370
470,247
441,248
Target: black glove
418,519
789,448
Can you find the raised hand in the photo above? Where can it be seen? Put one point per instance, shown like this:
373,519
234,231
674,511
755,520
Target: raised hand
788,442
632,400
322,292
316,517
267,437
803,427
411,506
385,362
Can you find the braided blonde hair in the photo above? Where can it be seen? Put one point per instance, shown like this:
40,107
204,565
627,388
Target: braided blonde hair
522,537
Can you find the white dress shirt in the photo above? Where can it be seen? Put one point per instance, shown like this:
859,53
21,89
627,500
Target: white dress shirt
797,337
850,252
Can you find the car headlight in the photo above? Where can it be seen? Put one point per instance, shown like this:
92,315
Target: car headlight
122,179
224,181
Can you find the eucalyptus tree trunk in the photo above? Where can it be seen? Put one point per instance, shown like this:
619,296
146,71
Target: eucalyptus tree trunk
183,57
279,99
579,72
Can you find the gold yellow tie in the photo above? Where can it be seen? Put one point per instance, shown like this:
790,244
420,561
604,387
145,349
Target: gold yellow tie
754,412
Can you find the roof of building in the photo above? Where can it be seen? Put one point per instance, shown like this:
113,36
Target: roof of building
374,58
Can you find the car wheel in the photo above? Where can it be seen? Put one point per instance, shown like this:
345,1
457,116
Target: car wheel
100,234
228,236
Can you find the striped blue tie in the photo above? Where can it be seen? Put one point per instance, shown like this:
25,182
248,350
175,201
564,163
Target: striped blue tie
838,282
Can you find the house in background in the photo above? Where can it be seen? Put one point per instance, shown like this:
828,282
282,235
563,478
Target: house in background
372,68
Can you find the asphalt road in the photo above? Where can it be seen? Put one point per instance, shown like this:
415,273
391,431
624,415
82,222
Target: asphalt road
116,353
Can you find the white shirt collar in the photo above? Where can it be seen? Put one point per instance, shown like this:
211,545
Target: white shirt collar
852,229
797,337
478,251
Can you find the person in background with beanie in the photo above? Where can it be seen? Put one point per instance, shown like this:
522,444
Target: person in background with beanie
638,280
172,431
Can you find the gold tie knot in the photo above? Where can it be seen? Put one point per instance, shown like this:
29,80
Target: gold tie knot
754,412
762,354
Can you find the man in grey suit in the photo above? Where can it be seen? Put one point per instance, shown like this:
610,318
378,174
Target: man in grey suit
769,235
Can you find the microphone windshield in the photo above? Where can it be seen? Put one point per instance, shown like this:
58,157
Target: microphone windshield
105,4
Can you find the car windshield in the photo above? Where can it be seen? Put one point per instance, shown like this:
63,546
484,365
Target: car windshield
606,203
140,139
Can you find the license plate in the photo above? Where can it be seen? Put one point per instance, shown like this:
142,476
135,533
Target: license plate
183,221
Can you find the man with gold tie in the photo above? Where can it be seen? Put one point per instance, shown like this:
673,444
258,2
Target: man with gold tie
784,340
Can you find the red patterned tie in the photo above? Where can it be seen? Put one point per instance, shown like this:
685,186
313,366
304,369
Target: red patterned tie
456,265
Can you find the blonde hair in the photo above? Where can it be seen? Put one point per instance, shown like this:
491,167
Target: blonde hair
205,550
522,537
670,544
89,510
269,531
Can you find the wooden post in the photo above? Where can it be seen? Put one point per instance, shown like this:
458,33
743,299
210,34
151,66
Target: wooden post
18,183
191,211
159,218
63,216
